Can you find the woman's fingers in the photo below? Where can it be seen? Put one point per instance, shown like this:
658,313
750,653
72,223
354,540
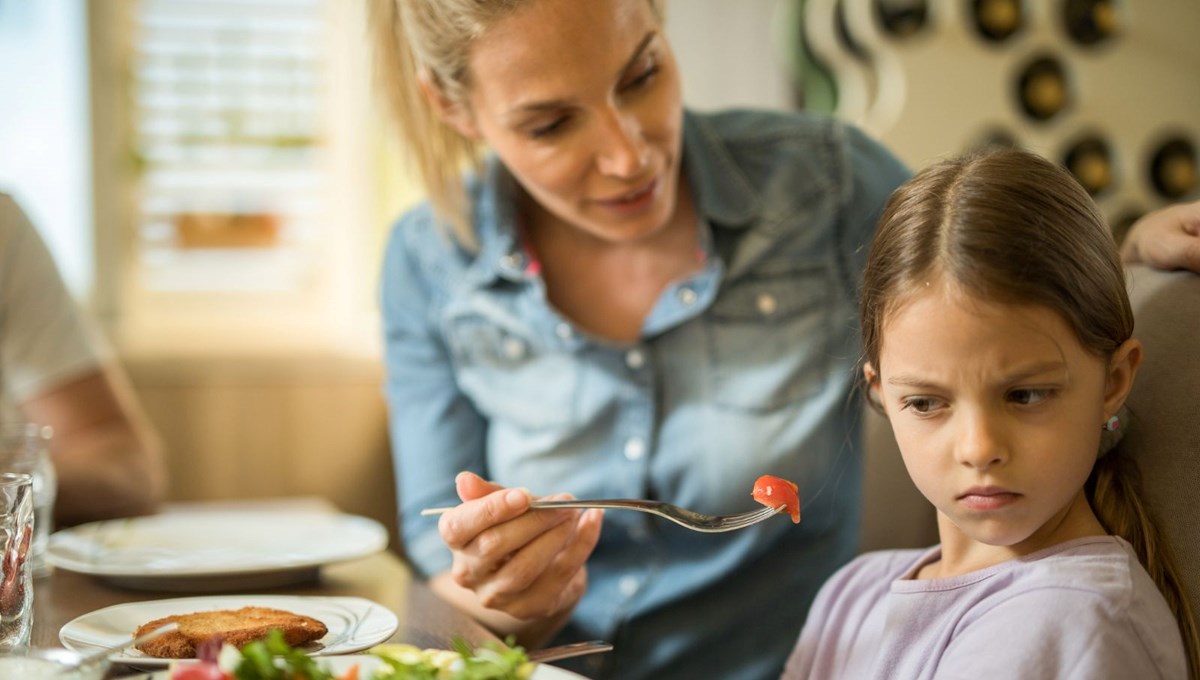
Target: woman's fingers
485,534
471,486
560,580
465,523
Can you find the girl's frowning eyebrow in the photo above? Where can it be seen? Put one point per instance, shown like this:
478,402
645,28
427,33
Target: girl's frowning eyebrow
1025,373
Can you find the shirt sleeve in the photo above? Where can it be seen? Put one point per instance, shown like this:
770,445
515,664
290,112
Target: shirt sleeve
44,338
435,430
874,173
1049,633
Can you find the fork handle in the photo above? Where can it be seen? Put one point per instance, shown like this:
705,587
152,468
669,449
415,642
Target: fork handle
577,503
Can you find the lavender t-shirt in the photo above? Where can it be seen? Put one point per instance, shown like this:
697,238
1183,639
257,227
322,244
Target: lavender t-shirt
1081,609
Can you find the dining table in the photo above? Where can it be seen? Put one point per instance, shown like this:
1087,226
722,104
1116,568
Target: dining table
425,620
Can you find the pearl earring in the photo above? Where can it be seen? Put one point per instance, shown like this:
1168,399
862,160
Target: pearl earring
1112,424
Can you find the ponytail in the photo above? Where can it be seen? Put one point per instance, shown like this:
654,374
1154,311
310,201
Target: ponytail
438,150
1114,498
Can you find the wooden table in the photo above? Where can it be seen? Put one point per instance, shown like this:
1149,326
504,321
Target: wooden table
425,620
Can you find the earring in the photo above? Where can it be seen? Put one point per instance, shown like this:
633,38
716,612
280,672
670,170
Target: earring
1112,424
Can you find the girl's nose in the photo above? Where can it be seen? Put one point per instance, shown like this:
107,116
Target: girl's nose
622,150
981,442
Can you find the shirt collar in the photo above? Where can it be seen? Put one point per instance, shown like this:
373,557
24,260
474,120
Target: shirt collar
495,214
722,193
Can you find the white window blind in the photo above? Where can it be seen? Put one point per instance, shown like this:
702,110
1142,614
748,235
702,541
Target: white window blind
230,141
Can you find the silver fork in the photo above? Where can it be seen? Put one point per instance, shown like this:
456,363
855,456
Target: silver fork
683,517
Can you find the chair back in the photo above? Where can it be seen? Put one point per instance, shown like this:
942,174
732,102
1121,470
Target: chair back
1163,434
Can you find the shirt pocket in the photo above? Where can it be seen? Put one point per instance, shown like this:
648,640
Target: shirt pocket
512,377
769,337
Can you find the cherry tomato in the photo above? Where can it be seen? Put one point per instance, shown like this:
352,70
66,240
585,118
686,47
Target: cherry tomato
774,491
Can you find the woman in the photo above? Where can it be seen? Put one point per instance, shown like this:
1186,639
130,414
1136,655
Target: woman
627,300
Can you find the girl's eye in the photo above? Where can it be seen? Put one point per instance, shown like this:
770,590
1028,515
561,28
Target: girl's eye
1029,397
920,404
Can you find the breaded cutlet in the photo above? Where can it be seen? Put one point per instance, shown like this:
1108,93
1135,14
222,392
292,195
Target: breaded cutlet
238,627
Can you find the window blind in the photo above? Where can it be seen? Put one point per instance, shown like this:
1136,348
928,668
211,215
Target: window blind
228,137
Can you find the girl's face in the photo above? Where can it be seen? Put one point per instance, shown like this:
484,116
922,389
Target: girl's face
581,100
997,409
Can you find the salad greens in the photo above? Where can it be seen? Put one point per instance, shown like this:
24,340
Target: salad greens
273,659
492,661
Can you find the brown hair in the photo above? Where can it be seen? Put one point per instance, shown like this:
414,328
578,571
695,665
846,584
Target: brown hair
1012,227
432,39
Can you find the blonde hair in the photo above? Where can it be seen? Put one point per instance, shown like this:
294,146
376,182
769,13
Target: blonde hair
431,40
1012,227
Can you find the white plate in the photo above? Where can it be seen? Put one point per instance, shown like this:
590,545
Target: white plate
367,664
354,623
205,549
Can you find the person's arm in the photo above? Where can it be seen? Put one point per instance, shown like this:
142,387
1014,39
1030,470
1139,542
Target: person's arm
107,457
1168,238
518,573
59,373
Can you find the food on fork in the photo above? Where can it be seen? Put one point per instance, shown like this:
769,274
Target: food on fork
237,627
774,491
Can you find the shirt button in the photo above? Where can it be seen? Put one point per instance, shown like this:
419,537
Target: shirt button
514,348
638,533
512,261
635,448
628,585
767,304
563,331
687,296
634,359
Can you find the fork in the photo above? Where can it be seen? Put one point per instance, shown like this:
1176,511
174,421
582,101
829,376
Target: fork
683,517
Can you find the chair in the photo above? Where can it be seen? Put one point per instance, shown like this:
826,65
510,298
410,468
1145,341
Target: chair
1163,433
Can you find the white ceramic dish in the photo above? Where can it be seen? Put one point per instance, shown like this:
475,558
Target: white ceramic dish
354,623
207,550
367,664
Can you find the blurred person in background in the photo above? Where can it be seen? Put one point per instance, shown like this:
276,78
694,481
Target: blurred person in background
56,371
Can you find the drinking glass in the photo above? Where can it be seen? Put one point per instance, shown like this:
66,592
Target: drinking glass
16,576
25,448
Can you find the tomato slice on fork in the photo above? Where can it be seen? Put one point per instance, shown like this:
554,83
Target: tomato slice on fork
774,491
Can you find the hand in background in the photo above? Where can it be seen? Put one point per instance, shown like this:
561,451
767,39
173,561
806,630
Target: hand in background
1168,238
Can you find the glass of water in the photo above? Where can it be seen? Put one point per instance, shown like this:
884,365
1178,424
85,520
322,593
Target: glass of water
16,576
25,449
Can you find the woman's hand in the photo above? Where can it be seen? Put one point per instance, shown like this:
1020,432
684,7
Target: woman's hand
529,565
1168,238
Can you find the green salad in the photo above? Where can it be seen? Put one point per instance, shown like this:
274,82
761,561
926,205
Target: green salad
273,659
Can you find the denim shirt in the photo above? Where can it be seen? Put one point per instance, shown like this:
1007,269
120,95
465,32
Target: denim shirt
742,369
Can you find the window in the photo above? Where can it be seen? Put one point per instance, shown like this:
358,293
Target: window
235,173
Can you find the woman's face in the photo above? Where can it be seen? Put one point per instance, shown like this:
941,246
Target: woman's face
581,100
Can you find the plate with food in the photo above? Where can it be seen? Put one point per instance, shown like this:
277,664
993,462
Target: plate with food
204,550
274,659
317,626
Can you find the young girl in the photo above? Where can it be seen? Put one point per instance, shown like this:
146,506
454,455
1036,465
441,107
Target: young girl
996,333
